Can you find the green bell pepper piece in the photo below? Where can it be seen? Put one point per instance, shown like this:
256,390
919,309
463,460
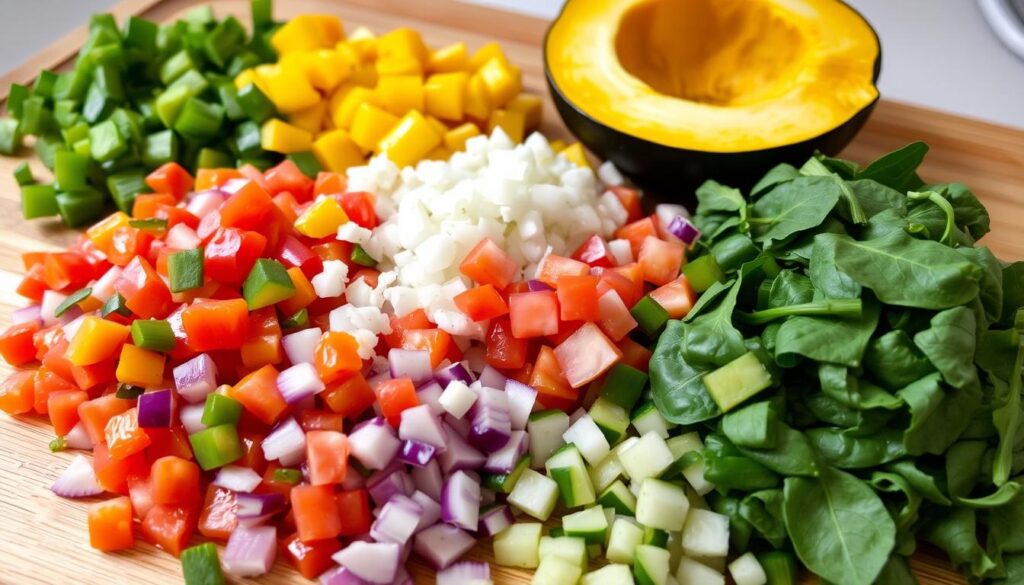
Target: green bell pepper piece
153,334
185,270
216,446
221,410
268,283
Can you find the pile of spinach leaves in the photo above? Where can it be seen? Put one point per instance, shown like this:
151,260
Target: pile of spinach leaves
894,344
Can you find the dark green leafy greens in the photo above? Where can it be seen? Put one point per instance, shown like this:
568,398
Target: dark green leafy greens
895,347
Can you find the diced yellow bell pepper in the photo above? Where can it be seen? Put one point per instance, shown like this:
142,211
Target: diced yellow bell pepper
409,141
322,218
531,106
335,151
512,122
503,81
576,155
455,139
400,93
445,95
454,57
345,101
440,153
251,76
311,119
290,89
558,145
370,124
399,65
327,69
485,54
102,234
403,42
364,42
437,125
96,340
279,136
365,76
140,367
307,32
476,104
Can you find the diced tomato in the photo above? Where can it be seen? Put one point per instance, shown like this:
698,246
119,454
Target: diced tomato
626,288
615,319
586,355
577,298
316,512
208,226
124,436
634,273
553,267
207,179
17,392
359,207
175,215
63,409
320,420
553,390
16,343
634,354
140,490
252,449
354,512
660,260
636,232
310,559
259,395
349,397
252,173
263,342
676,297
110,525
337,356
326,457
165,442
534,314
126,243
219,515
33,284
487,263
47,382
395,396
504,350
434,341
565,329
231,254
630,200
144,292
170,178
97,412
169,527
287,205
216,324
292,252
92,375
399,325
66,270
481,303
287,176
248,208
175,481
145,205
328,183
112,474
594,251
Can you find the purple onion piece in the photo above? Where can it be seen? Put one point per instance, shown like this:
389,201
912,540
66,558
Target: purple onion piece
537,286
196,378
250,551
442,544
460,500
495,519
455,371
491,378
465,572
375,562
417,453
683,229
155,409
410,363
29,314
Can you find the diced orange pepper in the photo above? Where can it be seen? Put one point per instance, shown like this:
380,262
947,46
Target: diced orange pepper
175,481
316,512
112,474
124,436
88,377
207,179
553,390
47,382
96,413
434,341
263,345
16,345
337,356
144,292
259,395
170,178
140,367
395,396
350,397
304,293
17,392
63,409
216,324
146,206
102,232
110,525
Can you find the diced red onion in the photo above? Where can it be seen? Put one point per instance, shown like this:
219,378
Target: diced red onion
286,443
411,363
431,509
78,480
487,497
459,456
353,481
299,382
428,479
73,312
155,409
537,286
48,307
250,551
103,288
521,399
386,484
397,521
504,460
494,520
374,562
78,437
237,478
491,378
403,577
577,415
374,381
429,394
374,444
460,426
460,501
683,229
72,328
340,576
182,237
300,346
491,420
255,509
442,544
196,378
465,573
420,424
204,202
455,371
666,212
29,314
417,453
191,417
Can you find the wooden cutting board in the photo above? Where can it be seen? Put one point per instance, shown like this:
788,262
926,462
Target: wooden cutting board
43,538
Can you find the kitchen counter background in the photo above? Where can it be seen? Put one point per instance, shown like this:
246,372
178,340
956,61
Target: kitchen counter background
936,53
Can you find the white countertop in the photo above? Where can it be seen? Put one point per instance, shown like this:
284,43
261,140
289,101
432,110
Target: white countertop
935,53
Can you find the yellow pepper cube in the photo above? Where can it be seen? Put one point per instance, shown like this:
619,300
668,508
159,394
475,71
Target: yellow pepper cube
251,76
503,81
400,93
327,69
576,155
477,102
410,140
454,57
140,367
364,42
370,124
102,234
345,101
311,119
290,89
335,151
558,145
321,219
404,42
307,32
398,65
485,54
511,122
279,136
455,139
440,153
445,95
438,125
531,106
365,75
96,340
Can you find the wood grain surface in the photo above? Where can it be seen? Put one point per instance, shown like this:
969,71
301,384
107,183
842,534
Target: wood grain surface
43,538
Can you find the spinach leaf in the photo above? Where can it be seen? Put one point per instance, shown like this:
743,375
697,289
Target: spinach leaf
997,353
1014,565
908,272
924,482
898,169
1005,494
894,361
970,214
1007,420
828,280
955,532
991,283
713,196
763,510
751,426
1004,528
790,288
963,467
1013,292
875,197
711,339
778,174
827,339
845,451
949,344
897,572
894,483
799,249
733,250
791,455
727,467
837,382
839,527
847,169
884,223
708,299
677,387
792,207
740,530
937,417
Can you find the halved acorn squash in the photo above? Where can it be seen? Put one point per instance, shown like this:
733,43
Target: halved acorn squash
678,91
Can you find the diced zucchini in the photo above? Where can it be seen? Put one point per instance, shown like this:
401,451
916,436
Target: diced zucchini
655,537
650,565
779,566
618,497
546,429
612,419
504,482
588,438
737,381
591,525
647,418
686,450
648,457
594,550
626,535
623,386
608,470
568,548
613,574
746,570
706,534
534,494
691,572
569,471
519,545
662,505
556,571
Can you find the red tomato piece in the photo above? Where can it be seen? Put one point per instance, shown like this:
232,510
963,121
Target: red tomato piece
170,178
169,527
676,297
172,441
310,559
399,325
316,512
622,285
553,390
434,341
595,252
66,270
140,490
320,420
230,255
534,314
259,395
247,208
175,481
213,325
124,436
145,206
349,397
359,207
96,413
16,343
112,474
47,382
481,303
327,457
328,183
33,284
126,243
354,512
505,350
63,409
17,392
586,355
219,515
287,176
395,396
293,253
660,260
553,267
577,298
615,319
630,199
144,292
636,232
487,263
634,354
